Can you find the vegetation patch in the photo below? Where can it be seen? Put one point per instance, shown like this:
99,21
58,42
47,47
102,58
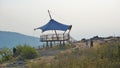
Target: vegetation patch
106,55
26,52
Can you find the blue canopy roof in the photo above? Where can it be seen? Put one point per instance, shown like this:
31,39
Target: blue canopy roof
54,25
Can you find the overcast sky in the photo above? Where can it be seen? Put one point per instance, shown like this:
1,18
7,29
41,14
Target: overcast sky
88,17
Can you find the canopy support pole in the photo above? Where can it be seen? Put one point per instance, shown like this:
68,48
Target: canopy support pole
69,31
49,15
56,35
64,33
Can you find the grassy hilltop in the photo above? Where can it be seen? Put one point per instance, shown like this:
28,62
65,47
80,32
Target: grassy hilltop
104,54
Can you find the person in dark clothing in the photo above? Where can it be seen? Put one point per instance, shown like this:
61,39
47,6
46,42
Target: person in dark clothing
91,43
14,51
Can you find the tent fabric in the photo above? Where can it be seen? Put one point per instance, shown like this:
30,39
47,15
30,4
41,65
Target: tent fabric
54,25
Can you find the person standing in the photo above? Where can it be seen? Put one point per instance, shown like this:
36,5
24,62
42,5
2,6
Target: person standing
86,43
14,51
91,43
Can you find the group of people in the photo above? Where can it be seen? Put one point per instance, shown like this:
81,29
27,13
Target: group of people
87,42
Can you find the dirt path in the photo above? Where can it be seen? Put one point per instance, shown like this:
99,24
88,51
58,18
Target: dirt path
48,52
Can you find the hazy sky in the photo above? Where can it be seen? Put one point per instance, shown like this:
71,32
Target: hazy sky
88,17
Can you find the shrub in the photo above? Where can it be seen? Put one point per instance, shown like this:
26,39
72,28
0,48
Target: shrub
6,55
26,52
19,49
109,50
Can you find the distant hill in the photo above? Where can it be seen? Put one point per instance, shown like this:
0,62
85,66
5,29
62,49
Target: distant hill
11,39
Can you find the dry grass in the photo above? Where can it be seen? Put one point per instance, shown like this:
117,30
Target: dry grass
99,56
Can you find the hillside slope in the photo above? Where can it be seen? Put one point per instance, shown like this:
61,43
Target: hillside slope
11,39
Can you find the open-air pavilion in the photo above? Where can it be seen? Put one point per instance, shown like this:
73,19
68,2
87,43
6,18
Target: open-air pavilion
55,26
